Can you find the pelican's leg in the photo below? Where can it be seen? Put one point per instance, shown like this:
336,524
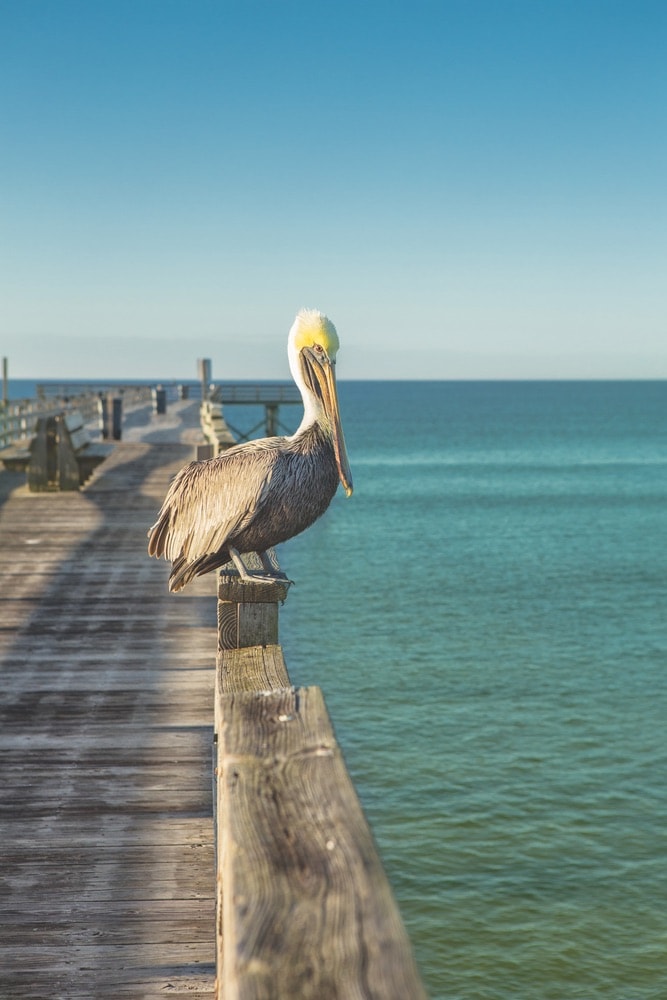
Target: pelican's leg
252,576
267,564
271,570
244,572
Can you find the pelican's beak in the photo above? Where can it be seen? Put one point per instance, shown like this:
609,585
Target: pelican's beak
321,374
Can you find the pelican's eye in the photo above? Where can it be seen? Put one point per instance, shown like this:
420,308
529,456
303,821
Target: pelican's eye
319,350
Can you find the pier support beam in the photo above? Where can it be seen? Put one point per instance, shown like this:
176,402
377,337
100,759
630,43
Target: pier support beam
271,410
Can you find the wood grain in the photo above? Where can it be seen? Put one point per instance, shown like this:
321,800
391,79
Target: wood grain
255,668
107,884
248,612
306,911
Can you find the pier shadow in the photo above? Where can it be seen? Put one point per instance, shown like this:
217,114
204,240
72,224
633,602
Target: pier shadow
9,482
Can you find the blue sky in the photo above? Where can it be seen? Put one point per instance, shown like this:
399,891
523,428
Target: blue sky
470,189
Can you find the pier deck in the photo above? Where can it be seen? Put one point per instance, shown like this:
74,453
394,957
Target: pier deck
106,839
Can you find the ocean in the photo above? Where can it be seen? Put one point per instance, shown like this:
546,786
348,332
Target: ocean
487,617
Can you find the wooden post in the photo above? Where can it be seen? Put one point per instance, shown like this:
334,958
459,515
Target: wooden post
248,612
116,406
103,410
159,400
204,370
111,416
249,657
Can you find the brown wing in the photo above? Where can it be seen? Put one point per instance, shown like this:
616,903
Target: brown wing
209,502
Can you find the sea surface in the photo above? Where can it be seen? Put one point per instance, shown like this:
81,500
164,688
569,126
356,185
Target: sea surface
487,617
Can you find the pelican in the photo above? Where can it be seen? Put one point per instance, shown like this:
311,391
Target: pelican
261,493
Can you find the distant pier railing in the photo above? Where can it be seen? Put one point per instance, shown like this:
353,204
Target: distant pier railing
255,392
18,418
218,430
67,390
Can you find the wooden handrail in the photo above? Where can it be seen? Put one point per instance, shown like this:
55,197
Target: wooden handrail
305,909
247,393
19,418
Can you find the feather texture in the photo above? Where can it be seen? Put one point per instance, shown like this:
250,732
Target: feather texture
252,497
261,493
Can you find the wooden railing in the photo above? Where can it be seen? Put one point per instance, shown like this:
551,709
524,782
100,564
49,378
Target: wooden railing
19,418
67,390
304,908
256,392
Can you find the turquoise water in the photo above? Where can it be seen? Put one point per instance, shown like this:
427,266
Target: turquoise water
487,618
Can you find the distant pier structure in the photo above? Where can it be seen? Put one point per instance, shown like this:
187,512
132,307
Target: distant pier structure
220,432
270,395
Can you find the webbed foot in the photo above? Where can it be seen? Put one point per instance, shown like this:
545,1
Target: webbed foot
269,573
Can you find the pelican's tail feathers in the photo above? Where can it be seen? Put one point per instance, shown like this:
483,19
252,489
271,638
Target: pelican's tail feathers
157,536
182,571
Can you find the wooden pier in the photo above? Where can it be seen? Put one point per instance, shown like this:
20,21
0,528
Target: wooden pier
270,395
112,880
107,885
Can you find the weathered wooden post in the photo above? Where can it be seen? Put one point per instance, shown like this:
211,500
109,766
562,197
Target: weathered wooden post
204,371
103,411
111,416
159,400
249,657
116,405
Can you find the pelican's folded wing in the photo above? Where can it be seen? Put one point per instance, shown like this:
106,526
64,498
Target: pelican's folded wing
209,501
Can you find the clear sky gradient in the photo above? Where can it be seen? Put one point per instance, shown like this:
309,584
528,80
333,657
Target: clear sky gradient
470,189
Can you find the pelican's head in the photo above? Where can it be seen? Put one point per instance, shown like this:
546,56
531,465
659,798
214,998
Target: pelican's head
312,347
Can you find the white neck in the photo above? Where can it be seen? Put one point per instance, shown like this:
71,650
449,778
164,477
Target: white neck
312,407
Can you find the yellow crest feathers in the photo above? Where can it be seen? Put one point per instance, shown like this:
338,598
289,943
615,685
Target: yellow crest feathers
313,327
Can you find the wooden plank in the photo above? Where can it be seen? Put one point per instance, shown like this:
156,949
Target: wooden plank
254,668
107,860
307,911
86,971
